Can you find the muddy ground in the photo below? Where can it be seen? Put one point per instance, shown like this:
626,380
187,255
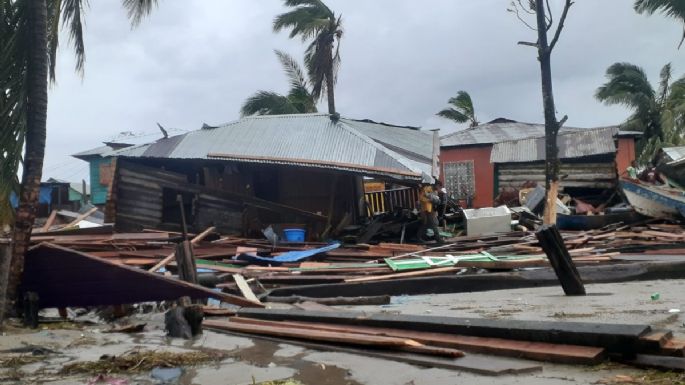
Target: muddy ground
249,361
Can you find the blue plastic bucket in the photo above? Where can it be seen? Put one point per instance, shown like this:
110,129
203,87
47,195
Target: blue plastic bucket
294,235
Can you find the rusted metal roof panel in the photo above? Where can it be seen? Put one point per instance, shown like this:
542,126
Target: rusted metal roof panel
574,144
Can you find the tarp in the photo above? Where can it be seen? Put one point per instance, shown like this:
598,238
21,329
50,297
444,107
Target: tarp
290,256
45,196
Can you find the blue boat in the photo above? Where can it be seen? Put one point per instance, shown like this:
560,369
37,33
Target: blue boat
654,201
591,222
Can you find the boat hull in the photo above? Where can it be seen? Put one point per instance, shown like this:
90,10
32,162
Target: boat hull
653,201
591,222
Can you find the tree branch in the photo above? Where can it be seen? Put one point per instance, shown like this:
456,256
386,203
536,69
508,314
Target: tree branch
515,11
528,44
550,17
560,26
562,121
528,11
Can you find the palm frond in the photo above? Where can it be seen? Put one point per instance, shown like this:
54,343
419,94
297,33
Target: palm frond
463,110
306,22
137,10
267,103
54,14
72,17
664,80
292,70
627,85
302,100
670,8
452,114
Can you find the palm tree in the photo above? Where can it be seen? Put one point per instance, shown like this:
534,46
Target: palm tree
461,111
298,101
659,114
312,19
33,45
12,107
671,8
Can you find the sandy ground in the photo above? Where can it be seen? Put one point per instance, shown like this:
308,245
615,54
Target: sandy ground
253,360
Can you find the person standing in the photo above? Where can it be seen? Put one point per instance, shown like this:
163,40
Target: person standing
632,170
428,201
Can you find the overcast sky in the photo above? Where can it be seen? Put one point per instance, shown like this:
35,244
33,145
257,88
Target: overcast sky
196,61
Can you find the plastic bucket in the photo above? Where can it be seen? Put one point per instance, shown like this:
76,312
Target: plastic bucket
294,235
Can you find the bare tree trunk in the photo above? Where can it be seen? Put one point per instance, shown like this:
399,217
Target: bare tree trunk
36,108
330,81
551,124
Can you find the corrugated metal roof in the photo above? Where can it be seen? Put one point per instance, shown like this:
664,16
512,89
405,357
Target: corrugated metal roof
675,153
489,133
502,131
313,140
573,144
98,151
408,139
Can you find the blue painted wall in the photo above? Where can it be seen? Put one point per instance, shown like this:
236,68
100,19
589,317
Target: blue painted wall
98,191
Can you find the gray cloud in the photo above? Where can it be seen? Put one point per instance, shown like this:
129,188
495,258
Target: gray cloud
194,62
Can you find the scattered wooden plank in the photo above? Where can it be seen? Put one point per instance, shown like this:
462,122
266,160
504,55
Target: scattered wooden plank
559,353
337,337
420,273
333,301
171,256
673,347
471,363
674,364
81,217
654,341
244,288
313,306
614,337
49,221
217,311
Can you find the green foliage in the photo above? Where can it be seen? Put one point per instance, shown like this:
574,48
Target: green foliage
671,8
13,62
659,115
298,101
462,110
313,20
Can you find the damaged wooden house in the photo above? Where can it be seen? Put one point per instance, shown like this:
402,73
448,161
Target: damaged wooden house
498,158
303,171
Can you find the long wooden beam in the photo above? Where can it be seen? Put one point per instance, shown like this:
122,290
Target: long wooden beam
614,337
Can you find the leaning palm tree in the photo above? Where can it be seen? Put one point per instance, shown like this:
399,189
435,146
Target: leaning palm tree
671,8
312,19
658,113
461,111
299,100
33,56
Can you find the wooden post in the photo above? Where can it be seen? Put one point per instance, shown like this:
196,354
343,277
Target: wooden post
553,245
31,306
185,261
198,238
